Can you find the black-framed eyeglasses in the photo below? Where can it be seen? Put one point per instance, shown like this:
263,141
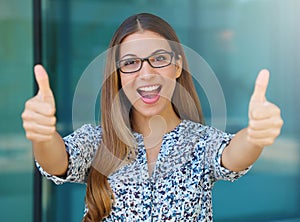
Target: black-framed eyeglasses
157,60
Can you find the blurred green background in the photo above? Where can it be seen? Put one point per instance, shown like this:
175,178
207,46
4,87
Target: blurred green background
237,38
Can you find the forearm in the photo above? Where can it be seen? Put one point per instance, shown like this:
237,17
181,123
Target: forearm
240,153
52,155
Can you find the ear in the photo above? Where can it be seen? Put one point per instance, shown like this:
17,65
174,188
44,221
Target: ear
178,66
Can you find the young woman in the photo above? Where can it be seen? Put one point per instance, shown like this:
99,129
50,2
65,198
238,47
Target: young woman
151,158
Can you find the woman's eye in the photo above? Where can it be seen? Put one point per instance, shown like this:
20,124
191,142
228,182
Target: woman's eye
130,62
160,58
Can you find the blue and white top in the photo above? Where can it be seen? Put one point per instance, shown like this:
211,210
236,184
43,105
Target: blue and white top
180,188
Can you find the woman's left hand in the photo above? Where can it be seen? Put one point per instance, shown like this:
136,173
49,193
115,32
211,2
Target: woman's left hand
265,121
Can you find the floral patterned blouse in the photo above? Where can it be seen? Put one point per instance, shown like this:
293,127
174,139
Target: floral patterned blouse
180,188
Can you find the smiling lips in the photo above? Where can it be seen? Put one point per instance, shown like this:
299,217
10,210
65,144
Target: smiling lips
149,94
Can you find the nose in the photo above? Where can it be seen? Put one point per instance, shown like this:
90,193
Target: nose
146,71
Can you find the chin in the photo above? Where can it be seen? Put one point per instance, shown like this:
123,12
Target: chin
147,110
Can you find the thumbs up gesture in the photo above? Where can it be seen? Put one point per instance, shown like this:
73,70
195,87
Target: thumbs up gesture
265,121
38,117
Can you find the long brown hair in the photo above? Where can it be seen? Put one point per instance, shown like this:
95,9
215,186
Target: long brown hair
117,139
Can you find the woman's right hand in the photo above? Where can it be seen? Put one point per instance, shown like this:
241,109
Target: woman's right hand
39,119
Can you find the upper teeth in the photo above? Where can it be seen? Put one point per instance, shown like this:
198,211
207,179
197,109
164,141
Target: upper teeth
149,88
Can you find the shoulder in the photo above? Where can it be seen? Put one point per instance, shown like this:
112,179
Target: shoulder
191,128
86,131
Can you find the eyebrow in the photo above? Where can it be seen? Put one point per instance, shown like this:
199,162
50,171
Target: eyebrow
156,51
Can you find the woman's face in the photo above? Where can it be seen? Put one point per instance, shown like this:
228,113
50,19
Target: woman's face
149,89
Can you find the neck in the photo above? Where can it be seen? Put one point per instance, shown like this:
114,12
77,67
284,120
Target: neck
154,128
155,125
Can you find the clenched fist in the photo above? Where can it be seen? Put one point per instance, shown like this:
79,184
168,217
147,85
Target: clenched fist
39,119
265,121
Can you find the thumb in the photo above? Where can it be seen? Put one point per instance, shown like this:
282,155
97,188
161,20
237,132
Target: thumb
261,84
42,80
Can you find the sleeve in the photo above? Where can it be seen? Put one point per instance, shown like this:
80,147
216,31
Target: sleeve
81,147
216,143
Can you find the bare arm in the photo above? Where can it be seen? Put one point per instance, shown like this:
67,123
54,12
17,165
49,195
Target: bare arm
39,123
240,153
52,155
265,124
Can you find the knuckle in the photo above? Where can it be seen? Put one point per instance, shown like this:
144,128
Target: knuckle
278,123
49,111
52,129
53,120
277,109
281,122
270,141
277,133
24,115
251,123
28,103
29,135
28,115
26,126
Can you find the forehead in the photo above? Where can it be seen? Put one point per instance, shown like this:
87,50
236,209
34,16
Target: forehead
143,43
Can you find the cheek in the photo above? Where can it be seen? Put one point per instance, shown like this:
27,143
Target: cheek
127,84
168,89
170,72
169,82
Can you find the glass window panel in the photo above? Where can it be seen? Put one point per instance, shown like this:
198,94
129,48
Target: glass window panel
16,161
237,38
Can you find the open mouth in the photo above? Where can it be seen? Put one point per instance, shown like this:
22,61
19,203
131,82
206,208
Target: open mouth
149,94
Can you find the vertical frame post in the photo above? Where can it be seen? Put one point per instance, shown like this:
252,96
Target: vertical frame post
37,59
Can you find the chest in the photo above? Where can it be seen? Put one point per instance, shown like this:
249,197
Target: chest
151,157
178,188
171,195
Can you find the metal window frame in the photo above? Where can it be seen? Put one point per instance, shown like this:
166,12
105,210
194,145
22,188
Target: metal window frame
37,59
